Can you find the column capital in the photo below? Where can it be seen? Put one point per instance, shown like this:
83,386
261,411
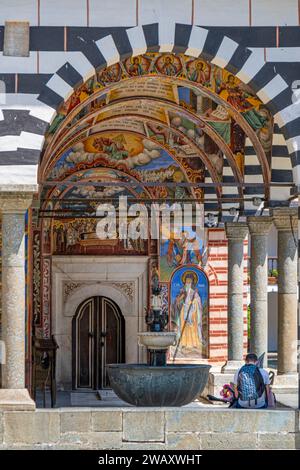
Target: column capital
16,198
236,230
259,225
285,218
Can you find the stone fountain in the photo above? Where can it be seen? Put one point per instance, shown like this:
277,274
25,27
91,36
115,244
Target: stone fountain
158,383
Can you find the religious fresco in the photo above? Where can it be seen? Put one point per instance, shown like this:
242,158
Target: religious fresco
168,64
197,72
134,155
136,66
78,236
148,119
178,251
189,311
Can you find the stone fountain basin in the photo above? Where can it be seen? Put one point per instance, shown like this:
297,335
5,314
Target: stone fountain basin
170,385
157,340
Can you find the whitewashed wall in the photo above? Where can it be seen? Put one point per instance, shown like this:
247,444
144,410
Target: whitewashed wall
132,12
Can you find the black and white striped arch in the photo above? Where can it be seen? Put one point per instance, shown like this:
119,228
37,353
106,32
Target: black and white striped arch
25,120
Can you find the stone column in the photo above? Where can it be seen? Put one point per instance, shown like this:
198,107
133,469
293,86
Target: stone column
259,228
286,222
236,234
14,201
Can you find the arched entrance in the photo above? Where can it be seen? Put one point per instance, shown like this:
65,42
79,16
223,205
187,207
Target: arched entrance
98,332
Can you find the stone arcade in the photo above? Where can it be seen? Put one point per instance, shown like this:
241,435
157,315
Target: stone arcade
161,105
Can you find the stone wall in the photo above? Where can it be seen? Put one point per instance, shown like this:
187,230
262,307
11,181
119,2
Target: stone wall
156,428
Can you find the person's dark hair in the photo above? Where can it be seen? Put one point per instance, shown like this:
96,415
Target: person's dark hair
251,357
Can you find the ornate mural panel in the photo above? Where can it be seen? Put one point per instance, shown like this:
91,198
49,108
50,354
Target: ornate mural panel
189,311
197,86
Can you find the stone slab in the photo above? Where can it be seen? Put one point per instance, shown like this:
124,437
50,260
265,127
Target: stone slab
182,441
106,421
280,441
78,421
231,421
26,427
142,426
93,440
16,39
225,441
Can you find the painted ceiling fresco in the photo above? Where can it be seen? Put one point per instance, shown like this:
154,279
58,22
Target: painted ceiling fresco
150,126
143,159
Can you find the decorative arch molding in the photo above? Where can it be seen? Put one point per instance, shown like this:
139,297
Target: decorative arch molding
120,293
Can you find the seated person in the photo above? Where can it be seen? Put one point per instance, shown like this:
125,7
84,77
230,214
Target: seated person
251,384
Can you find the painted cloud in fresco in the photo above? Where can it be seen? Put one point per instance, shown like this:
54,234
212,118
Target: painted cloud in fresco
78,155
91,192
151,151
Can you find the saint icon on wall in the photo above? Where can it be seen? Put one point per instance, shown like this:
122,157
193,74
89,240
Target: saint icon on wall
189,304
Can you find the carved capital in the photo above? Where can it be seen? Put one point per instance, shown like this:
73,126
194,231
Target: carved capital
285,218
236,230
259,226
16,199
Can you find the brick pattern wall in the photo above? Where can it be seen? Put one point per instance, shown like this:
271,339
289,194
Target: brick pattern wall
216,270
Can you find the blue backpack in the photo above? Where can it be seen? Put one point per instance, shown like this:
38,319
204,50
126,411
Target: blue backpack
250,384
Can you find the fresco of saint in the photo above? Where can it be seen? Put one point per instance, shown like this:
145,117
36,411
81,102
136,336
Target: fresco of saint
188,314
135,69
168,65
248,105
136,66
199,72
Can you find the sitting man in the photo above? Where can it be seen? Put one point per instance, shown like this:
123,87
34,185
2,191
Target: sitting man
251,384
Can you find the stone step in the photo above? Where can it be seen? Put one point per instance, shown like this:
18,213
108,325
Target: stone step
107,395
85,398
93,398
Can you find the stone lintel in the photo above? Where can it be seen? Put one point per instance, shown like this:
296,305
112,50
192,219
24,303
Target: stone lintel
16,400
285,218
259,226
16,198
236,230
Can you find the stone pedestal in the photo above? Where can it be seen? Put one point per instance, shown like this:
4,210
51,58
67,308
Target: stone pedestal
286,222
259,228
14,203
15,399
236,233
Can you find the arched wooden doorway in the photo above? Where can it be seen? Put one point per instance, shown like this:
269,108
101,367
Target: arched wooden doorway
98,339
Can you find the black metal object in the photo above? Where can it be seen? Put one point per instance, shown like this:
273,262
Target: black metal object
170,385
44,365
157,357
157,320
